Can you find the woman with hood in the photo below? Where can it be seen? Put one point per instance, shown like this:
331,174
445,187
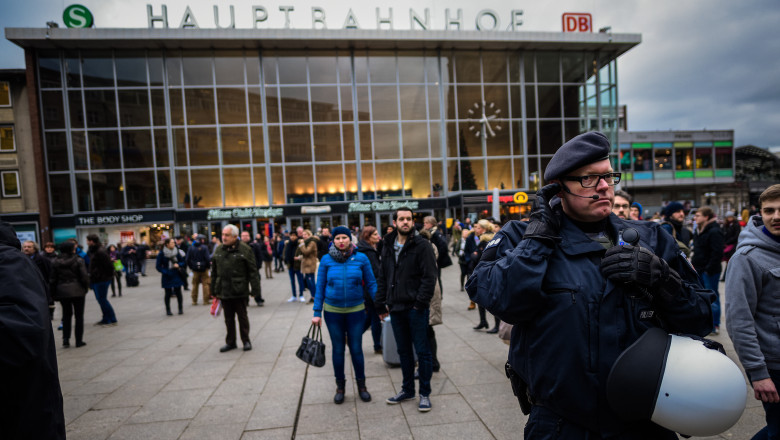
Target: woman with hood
168,265
369,238
340,280
69,285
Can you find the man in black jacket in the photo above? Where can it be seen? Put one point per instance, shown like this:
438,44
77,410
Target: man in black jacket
101,272
707,254
407,278
30,395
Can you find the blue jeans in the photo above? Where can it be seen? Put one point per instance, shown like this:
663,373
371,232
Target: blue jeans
710,281
772,429
346,328
101,293
310,284
293,275
410,329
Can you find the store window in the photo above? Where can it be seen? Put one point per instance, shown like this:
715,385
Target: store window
61,197
7,139
5,94
663,159
684,159
642,160
723,158
11,184
703,158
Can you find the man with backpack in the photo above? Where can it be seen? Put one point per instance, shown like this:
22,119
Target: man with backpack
198,260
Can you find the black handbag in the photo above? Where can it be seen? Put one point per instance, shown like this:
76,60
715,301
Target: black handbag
312,349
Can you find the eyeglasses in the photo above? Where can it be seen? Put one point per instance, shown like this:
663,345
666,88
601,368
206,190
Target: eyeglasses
592,180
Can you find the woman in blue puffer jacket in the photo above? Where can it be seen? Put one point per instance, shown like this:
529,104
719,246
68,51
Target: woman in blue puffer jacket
340,280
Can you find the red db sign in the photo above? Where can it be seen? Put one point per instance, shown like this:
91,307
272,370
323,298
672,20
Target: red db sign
577,22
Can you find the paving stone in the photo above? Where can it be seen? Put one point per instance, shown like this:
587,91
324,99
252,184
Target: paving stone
220,431
338,435
270,413
268,434
74,405
158,431
98,424
130,395
327,417
237,414
385,428
468,430
450,408
172,405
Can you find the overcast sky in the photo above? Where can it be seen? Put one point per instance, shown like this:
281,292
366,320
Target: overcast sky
702,64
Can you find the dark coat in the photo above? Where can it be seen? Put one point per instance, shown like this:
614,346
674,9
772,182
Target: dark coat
708,249
101,269
731,232
69,278
571,323
131,258
288,254
409,282
373,258
233,270
171,276
30,395
471,247
44,267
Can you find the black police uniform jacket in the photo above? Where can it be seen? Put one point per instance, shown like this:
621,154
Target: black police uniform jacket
410,281
30,396
571,323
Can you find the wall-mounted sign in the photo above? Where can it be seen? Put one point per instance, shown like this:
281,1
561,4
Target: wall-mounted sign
99,220
577,22
315,209
77,16
520,197
390,205
227,214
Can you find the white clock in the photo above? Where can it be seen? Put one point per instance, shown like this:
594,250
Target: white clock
480,116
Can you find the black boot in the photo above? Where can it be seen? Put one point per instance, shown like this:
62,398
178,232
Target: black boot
168,304
339,397
362,391
482,319
494,330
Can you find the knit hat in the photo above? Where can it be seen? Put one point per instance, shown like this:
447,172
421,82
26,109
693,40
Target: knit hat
729,214
673,207
638,206
341,230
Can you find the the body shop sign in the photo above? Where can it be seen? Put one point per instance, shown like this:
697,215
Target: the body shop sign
99,220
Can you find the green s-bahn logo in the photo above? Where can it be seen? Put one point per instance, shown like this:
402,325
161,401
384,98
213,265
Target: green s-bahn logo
77,16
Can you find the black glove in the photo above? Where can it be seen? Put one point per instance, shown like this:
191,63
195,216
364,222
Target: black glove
544,224
642,268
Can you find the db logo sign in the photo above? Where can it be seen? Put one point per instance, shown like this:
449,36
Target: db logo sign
577,22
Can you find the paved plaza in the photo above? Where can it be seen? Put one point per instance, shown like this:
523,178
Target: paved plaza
155,377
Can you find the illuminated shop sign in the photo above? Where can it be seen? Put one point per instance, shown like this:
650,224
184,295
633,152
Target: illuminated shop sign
518,197
390,205
89,220
318,18
315,209
227,214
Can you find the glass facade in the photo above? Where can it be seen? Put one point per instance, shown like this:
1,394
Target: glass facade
126,130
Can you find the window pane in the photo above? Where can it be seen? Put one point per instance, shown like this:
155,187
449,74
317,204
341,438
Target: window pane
161,147
415,139
158,108
271,104
663,159
350,176
573,67
200,106
411,69
365,142
261,189
104,150
436,178
174,69
469,103
97,68
49,70
322,69
256,110
235,146
300,183
11,184
203,146
382,67
76,109
252,68
386,141
494,67
56,152
229,69
467,67
155,68
79,141
330,182
547,67
232,106
7,139
275,144
131,70
179,147
435,140
137,149
177,107
549,101
367,176
61,199
348,138
83,199
413,103
473,174
297,144
384,103
642,160
327,143
164,188
107,191
183,189
324,104
388,180
723,158
206,188
496,101
53,116
519,176
258,152
134,108
499,145
141,191
292,70
277,183
197,69
238,184
703,158
295,104
101,108
417,177
499,174
550,136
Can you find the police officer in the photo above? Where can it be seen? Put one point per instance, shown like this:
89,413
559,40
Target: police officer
578,298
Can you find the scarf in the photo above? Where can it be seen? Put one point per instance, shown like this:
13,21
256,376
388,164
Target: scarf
341,256
172,255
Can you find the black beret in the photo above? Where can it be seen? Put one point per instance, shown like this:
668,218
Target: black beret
581,150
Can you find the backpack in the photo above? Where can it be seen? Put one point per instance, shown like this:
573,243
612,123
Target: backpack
683,247
199,258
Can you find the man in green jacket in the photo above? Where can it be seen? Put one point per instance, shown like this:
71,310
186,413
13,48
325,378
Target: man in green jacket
233,270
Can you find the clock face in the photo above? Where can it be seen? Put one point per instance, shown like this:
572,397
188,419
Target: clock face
482,119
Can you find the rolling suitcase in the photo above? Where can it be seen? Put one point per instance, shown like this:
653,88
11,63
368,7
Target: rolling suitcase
389,347
131,278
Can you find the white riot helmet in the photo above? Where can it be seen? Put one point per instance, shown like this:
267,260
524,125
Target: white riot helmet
683,384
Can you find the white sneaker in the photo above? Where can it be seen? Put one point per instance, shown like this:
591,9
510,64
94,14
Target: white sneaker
292,299
302,299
